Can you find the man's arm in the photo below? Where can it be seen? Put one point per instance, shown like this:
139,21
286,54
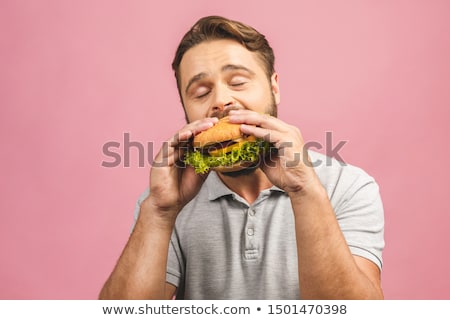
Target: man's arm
140,272
327,269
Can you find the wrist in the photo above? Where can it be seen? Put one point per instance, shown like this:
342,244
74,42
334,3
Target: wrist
311,202
163,217
312,189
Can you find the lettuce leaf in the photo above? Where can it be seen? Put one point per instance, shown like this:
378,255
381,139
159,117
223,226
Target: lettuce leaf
249,151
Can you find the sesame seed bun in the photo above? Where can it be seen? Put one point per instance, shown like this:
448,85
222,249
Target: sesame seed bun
221,131
224,148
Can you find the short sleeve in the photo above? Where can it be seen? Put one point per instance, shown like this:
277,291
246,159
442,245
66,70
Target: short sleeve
361,217
174,262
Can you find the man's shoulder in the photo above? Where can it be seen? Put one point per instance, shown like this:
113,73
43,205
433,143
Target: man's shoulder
339,178
329,169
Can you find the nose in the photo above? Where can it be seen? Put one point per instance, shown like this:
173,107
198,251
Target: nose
222,103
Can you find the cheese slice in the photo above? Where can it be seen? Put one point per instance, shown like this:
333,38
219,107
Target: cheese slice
237,145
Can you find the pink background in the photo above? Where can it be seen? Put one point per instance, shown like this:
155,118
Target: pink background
77,74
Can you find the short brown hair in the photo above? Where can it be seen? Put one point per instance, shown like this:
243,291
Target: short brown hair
216,27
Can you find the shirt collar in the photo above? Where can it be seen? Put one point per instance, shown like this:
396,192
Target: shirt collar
217,189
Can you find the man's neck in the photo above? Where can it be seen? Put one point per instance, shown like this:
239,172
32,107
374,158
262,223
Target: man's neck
247,186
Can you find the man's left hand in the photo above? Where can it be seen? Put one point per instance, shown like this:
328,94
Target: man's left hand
289,168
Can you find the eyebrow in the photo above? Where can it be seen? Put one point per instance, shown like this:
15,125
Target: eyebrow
225,68
194,79
232,67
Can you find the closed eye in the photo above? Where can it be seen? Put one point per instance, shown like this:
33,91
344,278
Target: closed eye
201,91
237,81
202,95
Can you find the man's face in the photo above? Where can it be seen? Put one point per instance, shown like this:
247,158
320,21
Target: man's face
222,74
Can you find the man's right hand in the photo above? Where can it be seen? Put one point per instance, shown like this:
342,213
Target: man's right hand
140,272
172,184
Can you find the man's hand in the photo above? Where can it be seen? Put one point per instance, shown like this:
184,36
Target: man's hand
322,251
172,184
140,272
289,168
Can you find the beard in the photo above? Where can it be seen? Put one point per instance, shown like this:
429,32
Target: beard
272,108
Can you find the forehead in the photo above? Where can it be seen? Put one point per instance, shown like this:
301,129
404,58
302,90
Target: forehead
210,56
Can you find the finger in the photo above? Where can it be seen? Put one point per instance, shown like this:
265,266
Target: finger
173,149
268,135
192,129
268,163
165,156
169,153
257,119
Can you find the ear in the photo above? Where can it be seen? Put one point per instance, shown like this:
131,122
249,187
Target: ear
275,87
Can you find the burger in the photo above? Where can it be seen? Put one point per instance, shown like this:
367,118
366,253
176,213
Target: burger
224,148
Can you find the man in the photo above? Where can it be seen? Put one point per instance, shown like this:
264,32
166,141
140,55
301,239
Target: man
292,228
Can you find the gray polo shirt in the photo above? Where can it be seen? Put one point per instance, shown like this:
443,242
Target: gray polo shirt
224,248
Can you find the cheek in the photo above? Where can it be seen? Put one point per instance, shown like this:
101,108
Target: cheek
257,99
195,113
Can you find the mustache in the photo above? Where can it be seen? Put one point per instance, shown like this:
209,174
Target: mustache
224,112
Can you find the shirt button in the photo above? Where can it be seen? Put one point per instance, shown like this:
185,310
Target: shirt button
251,212
250,232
